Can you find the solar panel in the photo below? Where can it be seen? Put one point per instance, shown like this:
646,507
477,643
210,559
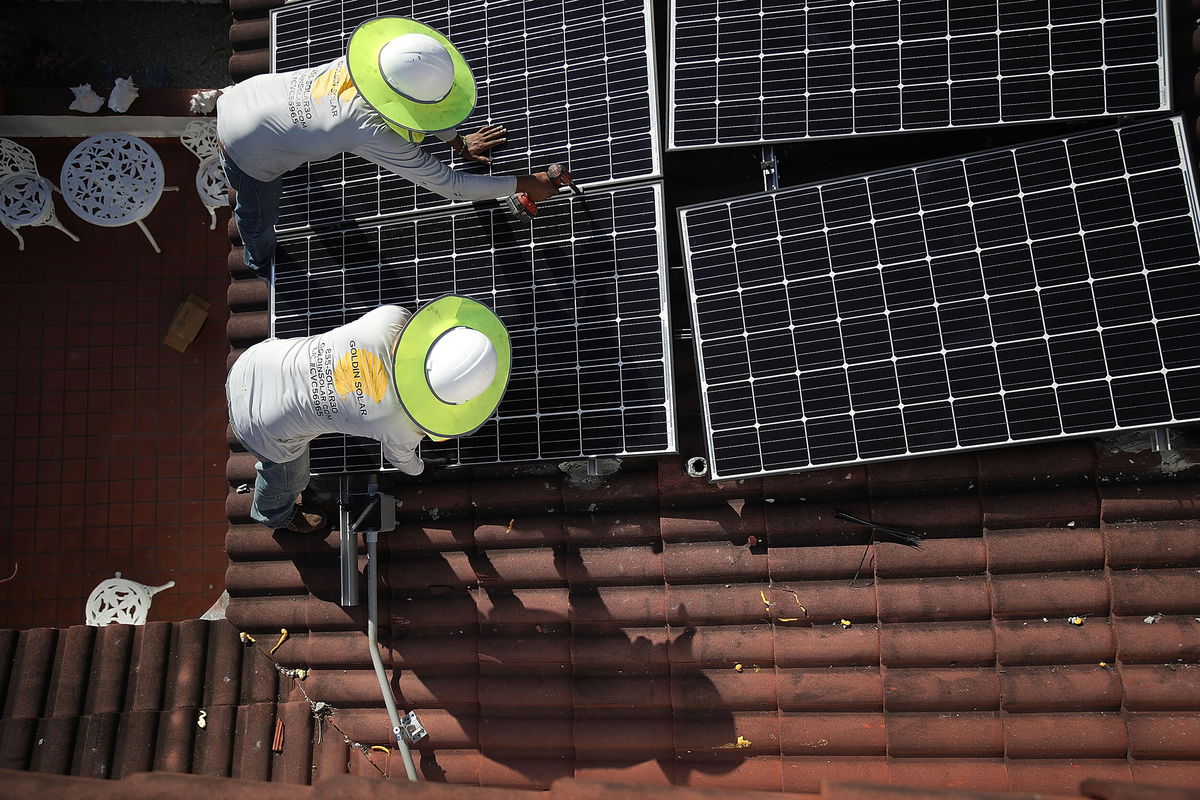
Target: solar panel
744,71
1041,291
572,80
582,292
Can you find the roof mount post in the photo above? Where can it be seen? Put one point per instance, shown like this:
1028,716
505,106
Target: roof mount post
1160,441
348,546
770,168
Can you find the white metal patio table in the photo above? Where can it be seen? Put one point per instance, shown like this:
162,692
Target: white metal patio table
114,179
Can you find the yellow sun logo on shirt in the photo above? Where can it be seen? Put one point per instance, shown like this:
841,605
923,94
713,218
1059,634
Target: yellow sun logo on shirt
334,81
361,373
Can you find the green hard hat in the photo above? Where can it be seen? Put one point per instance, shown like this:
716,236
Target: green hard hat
410,74
451,366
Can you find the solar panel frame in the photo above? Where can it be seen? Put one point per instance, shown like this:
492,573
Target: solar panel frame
1028,344
611,138
347,271
870,95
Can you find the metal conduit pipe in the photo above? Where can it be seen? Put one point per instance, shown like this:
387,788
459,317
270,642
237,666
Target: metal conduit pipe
347,546
372,538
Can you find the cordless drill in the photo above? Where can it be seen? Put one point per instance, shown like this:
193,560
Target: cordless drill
522,207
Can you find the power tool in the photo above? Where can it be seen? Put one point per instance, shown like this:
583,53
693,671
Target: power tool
522,207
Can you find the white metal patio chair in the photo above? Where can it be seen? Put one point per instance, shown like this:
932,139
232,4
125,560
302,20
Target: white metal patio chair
121,601
200,137
27,199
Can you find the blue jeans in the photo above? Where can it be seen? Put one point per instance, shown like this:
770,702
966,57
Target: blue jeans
256,211
275,490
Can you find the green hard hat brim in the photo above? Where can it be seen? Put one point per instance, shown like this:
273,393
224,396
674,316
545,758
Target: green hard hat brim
432,414
362,58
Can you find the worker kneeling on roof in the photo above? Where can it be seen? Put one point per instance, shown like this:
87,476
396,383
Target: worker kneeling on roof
388,375
399,80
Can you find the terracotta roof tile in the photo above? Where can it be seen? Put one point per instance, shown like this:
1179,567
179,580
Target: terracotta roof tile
811,771
976,773
1084,687
953,689
1054,641
1170,543
1057,595
955,733
1161,687
938,644
1024,550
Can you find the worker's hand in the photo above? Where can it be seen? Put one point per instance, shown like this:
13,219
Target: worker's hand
484,139
538,186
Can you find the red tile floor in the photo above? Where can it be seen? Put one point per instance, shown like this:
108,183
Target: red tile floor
112,445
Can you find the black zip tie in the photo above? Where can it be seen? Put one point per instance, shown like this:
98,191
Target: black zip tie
898,535
904,537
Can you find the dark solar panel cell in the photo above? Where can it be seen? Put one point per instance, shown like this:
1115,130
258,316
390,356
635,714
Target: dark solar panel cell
858,293
956,277
812,301
782,445
1113,252
1169,243
1024,364
892,194
1077,357
777,399
1059,261
1104,204
965,324
805,256
999,222
907,285
979,420
930,427
1086,407
825,392
972,372
770,352
1016,316
831,440
950,230
1051,213
1180,345
1122,300
900,240
922,379
915,331
1132,349
1068,308
866,339
817,346
877,67
1032,414
1158,195
1007,269
880,433
1140,400
873,386
992,176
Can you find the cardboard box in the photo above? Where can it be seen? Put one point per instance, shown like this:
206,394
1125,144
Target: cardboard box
186,323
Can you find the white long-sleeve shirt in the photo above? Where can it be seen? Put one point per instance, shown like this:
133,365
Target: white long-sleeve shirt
283,393
273,123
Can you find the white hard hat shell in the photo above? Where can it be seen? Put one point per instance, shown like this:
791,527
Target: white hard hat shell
461,365
418,67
